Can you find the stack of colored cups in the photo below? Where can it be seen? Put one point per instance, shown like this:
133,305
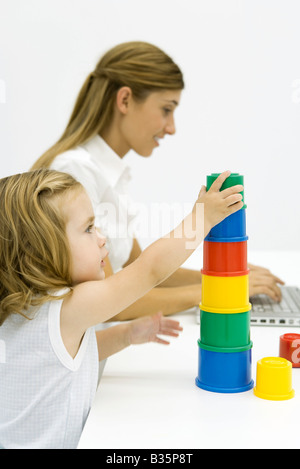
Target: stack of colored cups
224,346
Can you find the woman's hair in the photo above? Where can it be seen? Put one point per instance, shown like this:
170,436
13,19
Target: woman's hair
34,250
139,65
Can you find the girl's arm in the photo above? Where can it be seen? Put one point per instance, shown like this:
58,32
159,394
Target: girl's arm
179,278
97,301
184,294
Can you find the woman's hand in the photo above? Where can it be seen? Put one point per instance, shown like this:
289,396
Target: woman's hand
262,281
147,329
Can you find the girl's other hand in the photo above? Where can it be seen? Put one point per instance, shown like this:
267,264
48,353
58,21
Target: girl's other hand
147,329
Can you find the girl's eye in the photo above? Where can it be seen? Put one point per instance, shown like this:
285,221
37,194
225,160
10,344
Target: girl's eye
89,229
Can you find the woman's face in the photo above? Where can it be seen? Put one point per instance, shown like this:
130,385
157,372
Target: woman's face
146,122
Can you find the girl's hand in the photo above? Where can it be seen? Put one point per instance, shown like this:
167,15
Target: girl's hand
219,205
147,329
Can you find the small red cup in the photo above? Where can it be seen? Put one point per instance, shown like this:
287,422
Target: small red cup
225,259
289,348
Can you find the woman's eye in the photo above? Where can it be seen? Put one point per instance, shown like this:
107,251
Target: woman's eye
167,110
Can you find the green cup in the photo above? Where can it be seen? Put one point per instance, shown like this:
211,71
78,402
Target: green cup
233,180
222,350
225,330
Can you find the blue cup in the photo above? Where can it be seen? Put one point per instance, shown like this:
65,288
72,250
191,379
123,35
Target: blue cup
224,372
231,229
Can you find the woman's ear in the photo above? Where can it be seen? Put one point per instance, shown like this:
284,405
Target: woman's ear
124,96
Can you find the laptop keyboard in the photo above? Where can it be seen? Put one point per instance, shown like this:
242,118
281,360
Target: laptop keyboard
290,302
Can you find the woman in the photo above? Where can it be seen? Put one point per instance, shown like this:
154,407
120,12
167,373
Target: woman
128,102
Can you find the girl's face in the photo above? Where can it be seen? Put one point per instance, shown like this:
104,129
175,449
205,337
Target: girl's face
86,245
145,123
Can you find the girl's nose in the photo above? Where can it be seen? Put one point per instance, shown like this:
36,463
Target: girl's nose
101,239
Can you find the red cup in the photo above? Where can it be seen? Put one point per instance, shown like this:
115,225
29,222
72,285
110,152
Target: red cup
225,259
289,348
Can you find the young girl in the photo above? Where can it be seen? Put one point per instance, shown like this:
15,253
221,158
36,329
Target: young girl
53,291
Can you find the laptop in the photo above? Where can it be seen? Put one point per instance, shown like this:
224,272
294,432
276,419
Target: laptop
266,312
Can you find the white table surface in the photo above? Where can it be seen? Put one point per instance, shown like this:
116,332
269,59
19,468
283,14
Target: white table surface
147,397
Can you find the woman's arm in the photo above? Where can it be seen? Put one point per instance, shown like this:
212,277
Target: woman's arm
168,300
182,277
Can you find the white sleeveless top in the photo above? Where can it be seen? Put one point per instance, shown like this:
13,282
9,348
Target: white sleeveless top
45,394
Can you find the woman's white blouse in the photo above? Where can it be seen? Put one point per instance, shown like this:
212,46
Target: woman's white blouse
105,177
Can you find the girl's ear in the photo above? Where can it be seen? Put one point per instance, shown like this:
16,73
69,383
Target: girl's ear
124,96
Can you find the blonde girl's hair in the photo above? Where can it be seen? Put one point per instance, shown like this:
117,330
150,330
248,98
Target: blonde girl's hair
34,250
139,65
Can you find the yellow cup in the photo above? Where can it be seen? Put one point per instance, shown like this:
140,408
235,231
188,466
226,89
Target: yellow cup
225,294
274,379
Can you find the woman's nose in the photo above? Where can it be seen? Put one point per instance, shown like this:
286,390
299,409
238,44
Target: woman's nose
170,127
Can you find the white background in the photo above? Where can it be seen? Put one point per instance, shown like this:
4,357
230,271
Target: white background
240,109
